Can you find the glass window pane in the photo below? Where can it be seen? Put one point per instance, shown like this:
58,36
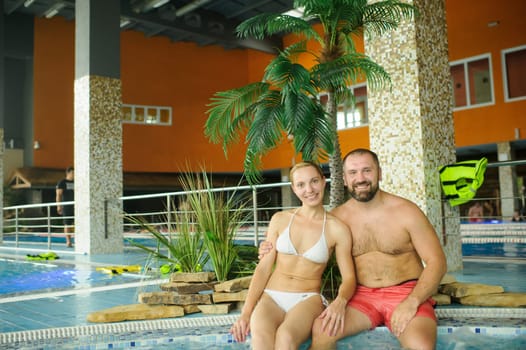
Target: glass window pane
151,116
165,116
126,113
459,85
479,81
139,114
360,113
516,73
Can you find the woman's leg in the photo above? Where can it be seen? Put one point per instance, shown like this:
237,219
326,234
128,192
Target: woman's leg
296,327
265,320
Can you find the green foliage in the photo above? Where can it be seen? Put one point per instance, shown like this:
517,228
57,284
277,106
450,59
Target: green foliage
246,261
218,216
331,279
186,251
286,104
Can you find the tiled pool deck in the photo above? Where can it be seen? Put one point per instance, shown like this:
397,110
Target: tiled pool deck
57,318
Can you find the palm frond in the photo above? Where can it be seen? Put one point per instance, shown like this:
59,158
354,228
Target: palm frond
228,109
285,74
383,16
315,137
268,24
350,68
265,133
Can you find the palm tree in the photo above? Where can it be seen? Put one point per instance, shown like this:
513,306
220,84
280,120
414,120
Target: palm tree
286,104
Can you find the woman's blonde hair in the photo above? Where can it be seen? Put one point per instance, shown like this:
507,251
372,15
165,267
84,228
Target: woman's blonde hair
305,164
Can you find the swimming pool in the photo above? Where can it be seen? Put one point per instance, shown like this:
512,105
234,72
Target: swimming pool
212,333
58,321
19,276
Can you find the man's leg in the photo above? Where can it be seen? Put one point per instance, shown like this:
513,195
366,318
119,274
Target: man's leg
420,333
355,322
67,232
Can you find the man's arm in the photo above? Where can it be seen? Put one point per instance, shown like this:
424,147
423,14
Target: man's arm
427,245
59,193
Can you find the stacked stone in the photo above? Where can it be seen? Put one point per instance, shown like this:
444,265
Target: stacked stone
476,294
185,293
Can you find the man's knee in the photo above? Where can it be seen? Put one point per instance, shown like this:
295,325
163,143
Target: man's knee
418,343
420,334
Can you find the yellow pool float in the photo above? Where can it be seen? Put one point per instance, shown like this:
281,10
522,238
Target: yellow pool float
116,270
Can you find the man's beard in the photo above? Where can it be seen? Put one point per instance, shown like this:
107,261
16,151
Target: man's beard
364,196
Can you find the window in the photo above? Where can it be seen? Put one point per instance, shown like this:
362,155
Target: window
472,82
155,115
514,73
351,115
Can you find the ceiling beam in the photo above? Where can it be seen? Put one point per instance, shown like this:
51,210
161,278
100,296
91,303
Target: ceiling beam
200,23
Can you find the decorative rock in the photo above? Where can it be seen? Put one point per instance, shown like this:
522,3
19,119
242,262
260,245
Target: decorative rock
447,279
192,276
234,285
502,299
215,309
187,288
135,312
191,309
172,298
459,289
227,297
442,299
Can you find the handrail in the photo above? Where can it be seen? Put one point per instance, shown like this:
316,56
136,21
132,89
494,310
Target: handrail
50,226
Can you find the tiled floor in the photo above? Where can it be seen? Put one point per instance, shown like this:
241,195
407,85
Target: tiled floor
69,308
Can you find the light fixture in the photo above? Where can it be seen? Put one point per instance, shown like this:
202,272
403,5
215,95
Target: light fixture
296,12
147,5
124,22
159,3
190,7
53,10
28,3
493,24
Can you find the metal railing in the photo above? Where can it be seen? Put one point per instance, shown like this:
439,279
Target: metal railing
42,220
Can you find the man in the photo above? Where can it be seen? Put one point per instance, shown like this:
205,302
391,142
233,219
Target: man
398,259
65,193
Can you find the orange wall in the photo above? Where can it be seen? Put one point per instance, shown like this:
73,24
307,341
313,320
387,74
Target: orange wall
54,67
469,35
155,71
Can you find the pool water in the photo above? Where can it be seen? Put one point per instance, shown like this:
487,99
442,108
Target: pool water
20,277
501,250
217,337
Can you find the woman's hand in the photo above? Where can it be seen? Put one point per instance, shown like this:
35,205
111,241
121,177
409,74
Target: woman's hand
334,317
240,329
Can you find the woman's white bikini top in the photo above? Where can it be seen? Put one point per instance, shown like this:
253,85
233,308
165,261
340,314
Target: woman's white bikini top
318,253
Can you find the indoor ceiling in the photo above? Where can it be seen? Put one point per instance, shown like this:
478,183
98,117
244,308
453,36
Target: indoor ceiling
205,22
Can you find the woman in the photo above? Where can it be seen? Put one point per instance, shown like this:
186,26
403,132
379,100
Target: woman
284,295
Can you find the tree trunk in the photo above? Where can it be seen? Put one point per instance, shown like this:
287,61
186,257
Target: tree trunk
337,191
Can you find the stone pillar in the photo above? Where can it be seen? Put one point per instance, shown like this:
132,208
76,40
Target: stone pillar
411,126
98,130
507,183
2,117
